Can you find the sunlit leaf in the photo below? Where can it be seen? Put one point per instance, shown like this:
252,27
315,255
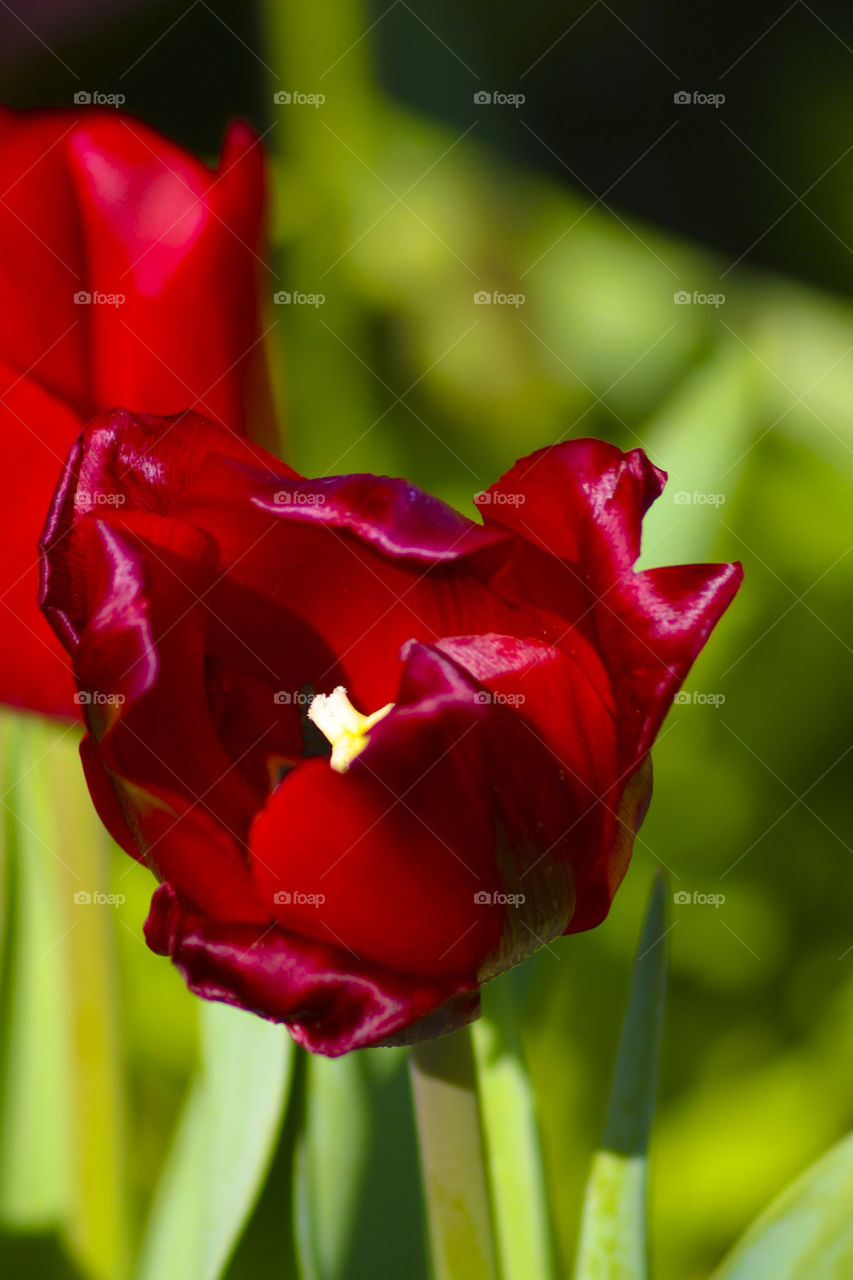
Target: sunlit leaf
807,1233
222,1147
331,1155
613,1244
513,1148
35,1093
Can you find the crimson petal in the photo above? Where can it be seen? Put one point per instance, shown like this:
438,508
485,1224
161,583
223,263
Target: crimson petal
577,508
331,1002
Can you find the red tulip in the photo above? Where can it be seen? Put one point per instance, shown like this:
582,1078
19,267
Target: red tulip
468,784
129,275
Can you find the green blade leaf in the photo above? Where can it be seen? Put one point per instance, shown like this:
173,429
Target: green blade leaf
807,1233
513,1148
329,1169
35,1102
222,1147
62,1159
613,1243
453,1164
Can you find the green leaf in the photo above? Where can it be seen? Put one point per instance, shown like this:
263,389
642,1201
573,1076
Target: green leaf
453,1158
807,1233
613,1243
35,1182
222,1147
513,1148
62,1129
331,1155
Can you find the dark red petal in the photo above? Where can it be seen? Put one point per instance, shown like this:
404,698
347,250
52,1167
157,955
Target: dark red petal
105,799
577,509
391,514
98,203
494,774
654,628
553,766
598,882
182,246
37,433
42,256
140,664
398,846
346,606
125,462
331,1002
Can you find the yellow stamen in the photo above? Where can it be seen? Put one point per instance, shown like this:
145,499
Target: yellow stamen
346,728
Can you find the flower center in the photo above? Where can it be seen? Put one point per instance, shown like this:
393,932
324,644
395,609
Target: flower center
346,729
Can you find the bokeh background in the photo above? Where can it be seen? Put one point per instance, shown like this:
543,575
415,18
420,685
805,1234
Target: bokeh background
593,203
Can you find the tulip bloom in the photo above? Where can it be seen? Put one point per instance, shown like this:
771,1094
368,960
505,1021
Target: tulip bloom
375,752
129,274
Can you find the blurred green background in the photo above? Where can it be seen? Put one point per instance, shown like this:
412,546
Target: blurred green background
598,199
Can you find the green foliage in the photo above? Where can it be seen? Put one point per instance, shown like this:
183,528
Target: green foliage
221,1149
807,1234
614,1233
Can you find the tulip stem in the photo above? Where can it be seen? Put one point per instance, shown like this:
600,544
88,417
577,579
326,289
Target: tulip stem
453,1161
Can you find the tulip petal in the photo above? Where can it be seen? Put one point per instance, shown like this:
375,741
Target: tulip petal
34,671
99,203
577,511
331,1002
129,274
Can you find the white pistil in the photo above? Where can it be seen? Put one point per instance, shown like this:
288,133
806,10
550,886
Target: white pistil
345,728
